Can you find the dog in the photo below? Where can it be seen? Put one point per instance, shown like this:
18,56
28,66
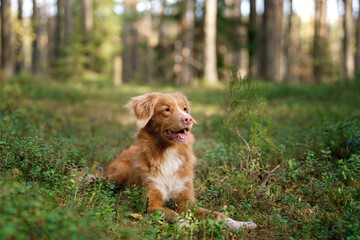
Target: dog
163,162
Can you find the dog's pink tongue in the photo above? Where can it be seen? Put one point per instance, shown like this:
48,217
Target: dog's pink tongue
182,137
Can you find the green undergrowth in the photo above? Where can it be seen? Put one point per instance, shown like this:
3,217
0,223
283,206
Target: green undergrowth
285,157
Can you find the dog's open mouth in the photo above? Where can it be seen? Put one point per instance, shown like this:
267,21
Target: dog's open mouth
177,136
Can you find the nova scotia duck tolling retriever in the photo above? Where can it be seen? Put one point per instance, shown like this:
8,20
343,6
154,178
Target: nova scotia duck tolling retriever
163,162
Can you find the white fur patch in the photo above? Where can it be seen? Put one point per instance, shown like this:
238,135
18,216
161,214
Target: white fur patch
235,225
168,182
179,109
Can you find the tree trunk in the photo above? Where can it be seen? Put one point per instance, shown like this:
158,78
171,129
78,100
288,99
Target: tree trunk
117,70
357,55
127,43
19,65
69,15
135,48
149,46
210,62
348,35
129,37
188,22
288,43
233,8
166,64
271,41
320,52
50,29
252,39
59,29
35,20
87,18
6,46
236,55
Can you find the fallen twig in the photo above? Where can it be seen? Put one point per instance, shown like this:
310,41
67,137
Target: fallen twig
268,177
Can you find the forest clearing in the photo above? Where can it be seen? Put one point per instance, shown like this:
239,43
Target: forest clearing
312,132
274,88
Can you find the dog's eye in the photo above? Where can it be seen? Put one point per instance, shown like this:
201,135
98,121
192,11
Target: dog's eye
167,109
185,109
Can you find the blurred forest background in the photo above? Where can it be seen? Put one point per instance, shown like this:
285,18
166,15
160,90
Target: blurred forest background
169,41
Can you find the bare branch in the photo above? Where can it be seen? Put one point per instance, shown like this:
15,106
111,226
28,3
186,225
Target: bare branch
243,139
268,177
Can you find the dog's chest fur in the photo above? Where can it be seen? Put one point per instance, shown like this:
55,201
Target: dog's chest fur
168,181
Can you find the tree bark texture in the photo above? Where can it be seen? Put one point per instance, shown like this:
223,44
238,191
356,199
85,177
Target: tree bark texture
210,62
272,40
348,35
6,45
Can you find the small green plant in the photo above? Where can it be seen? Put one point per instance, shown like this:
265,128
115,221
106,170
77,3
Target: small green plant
136,198
29,211
52,134
248,123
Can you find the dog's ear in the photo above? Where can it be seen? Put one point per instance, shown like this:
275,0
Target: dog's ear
143,108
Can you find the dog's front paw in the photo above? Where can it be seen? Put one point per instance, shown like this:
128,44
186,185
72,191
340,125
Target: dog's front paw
235,225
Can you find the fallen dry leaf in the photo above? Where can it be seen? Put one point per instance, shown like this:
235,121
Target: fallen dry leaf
136,216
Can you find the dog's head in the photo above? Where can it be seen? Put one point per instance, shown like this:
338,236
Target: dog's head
165,114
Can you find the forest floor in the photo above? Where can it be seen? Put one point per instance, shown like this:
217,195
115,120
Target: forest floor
312,132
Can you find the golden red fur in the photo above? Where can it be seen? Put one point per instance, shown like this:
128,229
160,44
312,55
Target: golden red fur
163,162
